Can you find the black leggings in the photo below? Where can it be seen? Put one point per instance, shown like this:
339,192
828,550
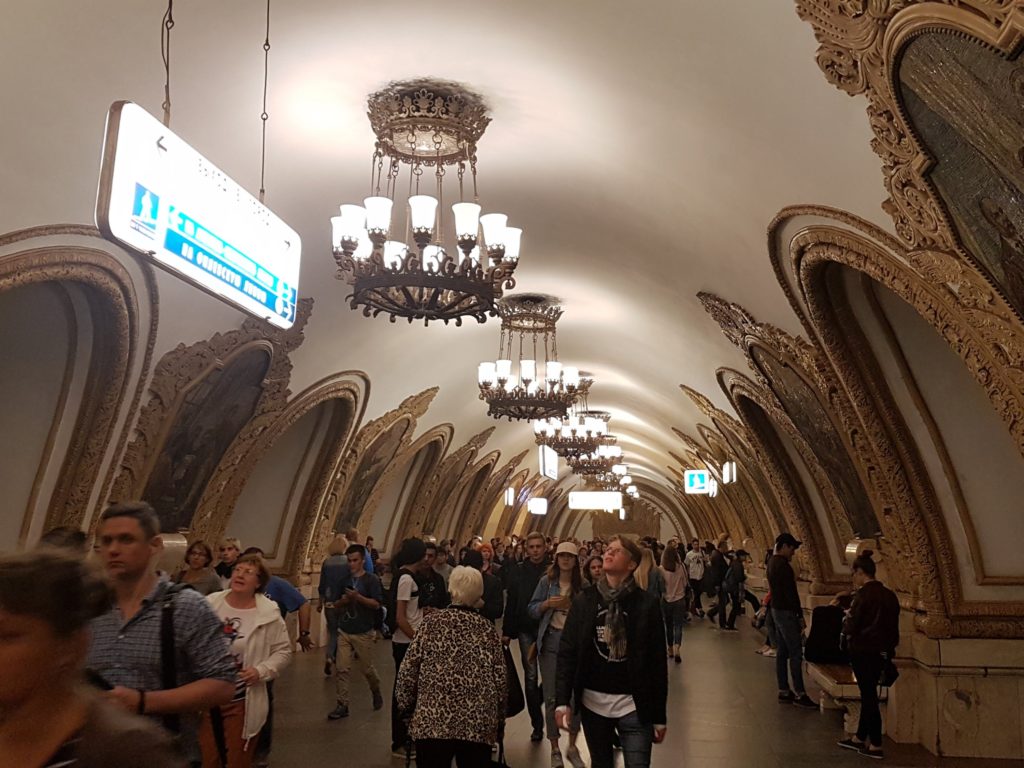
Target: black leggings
868,669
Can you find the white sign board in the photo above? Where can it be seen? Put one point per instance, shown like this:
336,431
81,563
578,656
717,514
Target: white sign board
548,462
538,506
608,501
729,472
159,196
696,481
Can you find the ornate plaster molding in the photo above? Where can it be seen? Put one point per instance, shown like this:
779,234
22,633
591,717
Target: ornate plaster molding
436,441
496,485
430,506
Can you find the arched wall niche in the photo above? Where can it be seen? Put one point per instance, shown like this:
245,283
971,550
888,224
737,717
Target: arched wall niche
504,514
207,403
473,481
490,498
735,520
107,319
402,484
810,248
374,448
277,486
432,504
794,485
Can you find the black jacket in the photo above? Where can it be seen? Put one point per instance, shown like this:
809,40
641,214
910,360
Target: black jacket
782,583
735,575
715,573
873,624
646,662
521,583
494,603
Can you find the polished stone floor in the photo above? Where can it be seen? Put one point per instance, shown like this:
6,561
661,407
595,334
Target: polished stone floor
722,714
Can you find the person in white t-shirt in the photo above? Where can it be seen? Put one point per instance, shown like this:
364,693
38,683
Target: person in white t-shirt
410,560
695,563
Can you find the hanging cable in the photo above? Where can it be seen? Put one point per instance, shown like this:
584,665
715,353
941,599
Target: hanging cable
264,115
166,25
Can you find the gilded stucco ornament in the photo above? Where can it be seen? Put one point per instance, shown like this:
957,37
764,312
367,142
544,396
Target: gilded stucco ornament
436,490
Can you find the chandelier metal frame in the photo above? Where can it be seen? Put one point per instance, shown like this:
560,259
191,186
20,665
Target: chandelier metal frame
598,462
530,319
425,123
576,433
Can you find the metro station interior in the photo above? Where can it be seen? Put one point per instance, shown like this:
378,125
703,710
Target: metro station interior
782,242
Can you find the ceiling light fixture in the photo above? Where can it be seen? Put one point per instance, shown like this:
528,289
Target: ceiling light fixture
599,462
540,387
581,431
425,124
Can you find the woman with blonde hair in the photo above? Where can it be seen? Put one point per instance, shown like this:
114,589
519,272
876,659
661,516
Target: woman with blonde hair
453,682
259,642
647,575
334,575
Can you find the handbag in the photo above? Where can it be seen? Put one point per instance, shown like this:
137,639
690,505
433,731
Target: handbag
889,671
516,701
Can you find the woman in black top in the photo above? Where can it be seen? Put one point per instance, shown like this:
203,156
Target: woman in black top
872,631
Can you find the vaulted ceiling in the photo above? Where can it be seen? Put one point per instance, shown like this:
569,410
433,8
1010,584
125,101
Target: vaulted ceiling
643,147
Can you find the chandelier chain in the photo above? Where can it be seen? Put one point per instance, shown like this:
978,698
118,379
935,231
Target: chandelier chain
166,25
263,114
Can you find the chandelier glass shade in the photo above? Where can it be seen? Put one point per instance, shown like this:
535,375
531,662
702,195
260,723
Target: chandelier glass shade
597,463
427,267
527,381
581,431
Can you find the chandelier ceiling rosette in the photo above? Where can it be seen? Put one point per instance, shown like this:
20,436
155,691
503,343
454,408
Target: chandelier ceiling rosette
527,381
580,431
448,272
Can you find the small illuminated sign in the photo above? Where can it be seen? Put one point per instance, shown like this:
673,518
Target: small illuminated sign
696,481
159,196
729,472
537,506
713,488
607,501
510,496
548,462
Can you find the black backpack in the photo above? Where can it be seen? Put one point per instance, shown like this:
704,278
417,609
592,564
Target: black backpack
386,621
823,641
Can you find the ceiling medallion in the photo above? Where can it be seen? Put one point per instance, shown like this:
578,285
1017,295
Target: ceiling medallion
541,388
599,462
579,432
445,274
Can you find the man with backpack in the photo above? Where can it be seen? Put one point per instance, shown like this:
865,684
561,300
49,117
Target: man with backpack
357,616
160,647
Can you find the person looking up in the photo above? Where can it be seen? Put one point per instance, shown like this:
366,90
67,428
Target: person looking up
126,638
259,643
456,651
612,665
334,576
230,550
872,629
789,622
550,605
49,718
197,572
674,574
358,608
410,561
521,626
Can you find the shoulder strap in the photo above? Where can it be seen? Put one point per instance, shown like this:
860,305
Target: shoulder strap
168,653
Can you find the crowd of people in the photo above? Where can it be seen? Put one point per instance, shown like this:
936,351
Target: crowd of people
181,666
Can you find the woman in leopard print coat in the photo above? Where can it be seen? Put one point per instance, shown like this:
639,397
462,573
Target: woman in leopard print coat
453,680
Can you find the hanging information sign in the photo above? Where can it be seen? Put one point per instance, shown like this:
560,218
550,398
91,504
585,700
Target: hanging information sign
159,196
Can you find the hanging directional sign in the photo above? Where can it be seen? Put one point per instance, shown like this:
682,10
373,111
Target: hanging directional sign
696,481
159,196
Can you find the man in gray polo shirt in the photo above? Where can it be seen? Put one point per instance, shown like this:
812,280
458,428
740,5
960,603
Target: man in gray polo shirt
126,641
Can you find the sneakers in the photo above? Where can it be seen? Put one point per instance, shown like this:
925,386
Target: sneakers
763,650
770,653
378,700
786,697
556,759
851,744
537,735
575,758
730,629
803,700
338,712
874,754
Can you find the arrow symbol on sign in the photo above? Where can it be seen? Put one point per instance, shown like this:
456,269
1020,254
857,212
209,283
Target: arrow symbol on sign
160,144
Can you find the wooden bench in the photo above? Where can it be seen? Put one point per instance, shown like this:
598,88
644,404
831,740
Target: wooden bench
839,691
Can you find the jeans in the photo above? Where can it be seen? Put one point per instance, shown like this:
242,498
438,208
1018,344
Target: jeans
530,674
769,628
399,730
438,753
675,617
548,659
868,668
787,633
697,588
719,608
734,608
266,737
635,735
331,617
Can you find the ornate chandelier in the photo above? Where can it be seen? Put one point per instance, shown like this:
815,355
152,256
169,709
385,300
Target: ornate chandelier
579,432
425,124
541,388
598,462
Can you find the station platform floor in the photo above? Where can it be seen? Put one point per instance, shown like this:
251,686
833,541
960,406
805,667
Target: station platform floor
722,705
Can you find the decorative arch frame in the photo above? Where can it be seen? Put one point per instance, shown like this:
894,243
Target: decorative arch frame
472,482
114,301
435,442
430,507
487,499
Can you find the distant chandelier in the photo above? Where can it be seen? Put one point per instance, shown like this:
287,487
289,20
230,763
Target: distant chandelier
578,432
541,388
600,461
425,124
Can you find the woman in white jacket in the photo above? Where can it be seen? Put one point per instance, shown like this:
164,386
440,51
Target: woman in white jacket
260,644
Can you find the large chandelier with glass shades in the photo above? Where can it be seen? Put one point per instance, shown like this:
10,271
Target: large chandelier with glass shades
599,461
580,431
527,381
415,261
